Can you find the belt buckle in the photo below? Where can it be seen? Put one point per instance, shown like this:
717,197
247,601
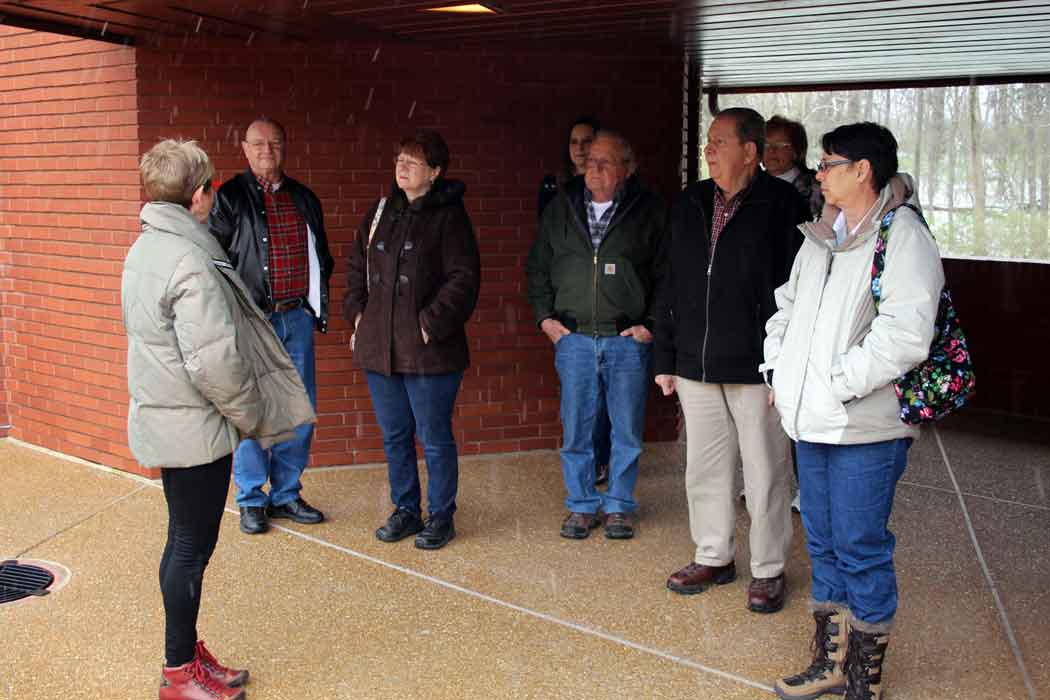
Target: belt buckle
288,305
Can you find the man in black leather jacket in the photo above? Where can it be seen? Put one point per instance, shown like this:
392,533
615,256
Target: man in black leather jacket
272,229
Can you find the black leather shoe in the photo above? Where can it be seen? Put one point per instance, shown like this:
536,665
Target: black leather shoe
401,523
436,534
298,510
253,520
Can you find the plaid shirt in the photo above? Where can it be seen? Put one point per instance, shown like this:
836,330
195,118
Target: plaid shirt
724,211
599,225
289,272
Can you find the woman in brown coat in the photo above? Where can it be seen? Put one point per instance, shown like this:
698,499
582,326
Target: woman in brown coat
414,274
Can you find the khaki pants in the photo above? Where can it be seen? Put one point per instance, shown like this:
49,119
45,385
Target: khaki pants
727,424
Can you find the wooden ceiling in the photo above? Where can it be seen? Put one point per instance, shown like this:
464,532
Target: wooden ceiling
738,43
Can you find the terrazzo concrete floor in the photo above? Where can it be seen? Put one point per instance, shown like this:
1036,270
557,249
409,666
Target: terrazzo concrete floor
510,609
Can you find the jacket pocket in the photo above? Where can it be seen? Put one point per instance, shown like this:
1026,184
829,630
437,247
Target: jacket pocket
622,290
818,411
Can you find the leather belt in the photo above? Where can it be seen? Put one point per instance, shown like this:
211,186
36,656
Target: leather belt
288,304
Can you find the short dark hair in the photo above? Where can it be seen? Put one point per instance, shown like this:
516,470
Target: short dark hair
865,141
428,144
796,134
750,126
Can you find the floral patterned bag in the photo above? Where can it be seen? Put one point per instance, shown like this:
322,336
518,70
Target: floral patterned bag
945,381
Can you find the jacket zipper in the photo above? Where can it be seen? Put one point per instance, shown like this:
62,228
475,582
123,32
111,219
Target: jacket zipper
594,276
805,370
707,315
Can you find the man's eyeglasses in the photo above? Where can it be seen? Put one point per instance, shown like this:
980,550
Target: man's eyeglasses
260,145
601,165
826,165
778,145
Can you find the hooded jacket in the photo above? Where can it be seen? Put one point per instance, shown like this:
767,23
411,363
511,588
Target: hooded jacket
205,367
598,292
833,358
422,272
238,221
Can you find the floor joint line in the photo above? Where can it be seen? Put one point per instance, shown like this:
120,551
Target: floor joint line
546,617
83,520
1004,501
1004,619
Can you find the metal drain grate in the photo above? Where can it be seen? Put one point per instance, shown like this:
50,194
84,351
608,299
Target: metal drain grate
19,581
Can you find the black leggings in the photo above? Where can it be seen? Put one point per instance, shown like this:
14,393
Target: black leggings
196,497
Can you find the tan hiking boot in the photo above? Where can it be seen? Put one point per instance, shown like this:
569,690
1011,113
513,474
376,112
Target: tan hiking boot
827,674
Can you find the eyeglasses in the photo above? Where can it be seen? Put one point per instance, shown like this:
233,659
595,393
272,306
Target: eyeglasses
778,145
601,165
826,165
408,162
260,145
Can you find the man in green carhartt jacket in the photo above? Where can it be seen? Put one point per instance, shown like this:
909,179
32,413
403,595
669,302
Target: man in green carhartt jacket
592,274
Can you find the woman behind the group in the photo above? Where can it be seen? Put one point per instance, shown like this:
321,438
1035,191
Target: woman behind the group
833,359
785,157
204,370
414,275
581,134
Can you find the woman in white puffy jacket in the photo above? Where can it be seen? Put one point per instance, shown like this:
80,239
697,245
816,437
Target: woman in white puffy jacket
831,359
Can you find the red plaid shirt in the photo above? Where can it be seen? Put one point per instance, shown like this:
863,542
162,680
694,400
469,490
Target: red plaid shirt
289,261
724,211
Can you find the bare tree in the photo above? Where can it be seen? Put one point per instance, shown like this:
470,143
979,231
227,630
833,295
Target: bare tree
977,172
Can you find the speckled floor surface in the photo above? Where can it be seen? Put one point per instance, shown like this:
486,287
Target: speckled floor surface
510,609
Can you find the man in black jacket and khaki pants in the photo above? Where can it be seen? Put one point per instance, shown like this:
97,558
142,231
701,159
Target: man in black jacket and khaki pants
733,240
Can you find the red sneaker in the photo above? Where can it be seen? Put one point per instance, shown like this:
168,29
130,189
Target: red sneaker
193,682
231,677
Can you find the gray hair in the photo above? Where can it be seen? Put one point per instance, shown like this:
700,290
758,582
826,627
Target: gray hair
173,170
622,142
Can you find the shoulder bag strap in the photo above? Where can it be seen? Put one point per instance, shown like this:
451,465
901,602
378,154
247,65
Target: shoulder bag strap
372,232
879,262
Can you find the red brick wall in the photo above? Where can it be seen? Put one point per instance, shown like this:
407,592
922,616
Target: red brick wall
68,197
75,115
504,115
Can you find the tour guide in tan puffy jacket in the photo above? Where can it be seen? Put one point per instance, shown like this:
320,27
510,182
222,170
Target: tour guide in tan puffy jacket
205,369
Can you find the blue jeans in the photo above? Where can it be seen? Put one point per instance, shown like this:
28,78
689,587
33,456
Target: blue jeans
284,463
847,495
602,434
407,404
615,369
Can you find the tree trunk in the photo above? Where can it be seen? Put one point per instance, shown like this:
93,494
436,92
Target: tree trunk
980,246
1043,219
952,164
920,115
938,100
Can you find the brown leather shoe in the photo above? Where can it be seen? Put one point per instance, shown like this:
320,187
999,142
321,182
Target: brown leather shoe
578,526
694,578
766,595
619,526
